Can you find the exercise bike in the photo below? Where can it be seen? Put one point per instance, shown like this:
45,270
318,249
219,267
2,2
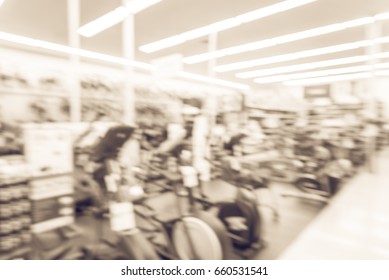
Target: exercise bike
241,218
190,236
130,242
312,175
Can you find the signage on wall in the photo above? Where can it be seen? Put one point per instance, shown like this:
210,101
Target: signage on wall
272,99
319,95
319,91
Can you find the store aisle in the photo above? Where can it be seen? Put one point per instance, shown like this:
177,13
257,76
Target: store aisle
355,224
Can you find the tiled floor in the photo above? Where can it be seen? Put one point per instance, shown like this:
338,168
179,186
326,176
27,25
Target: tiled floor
355,225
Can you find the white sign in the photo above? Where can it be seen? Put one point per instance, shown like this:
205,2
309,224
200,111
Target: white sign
121,216
48,149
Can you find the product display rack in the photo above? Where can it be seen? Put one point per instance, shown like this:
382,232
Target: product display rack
15,213
31,92
286,118
37,95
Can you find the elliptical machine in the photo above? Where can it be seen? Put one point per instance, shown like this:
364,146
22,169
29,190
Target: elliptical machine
193,235
241,217
311,162
130,242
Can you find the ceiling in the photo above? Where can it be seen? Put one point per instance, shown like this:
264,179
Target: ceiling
47,20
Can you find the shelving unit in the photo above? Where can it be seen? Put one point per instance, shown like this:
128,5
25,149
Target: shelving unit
15,210
32,92
285,118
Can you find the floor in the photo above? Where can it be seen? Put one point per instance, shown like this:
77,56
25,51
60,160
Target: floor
294,216
354,225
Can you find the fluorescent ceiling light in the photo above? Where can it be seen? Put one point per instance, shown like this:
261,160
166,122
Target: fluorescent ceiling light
323,73
301,67
314,74
172,41
114,17
213,81
382,73
382,65
293,56
136,6
104,22
71,51
223,25
271,10
329,79
262,44
312,65
383,16
30,42
199,32
1,2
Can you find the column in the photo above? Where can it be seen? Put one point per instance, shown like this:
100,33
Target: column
373,31
73,13
128,44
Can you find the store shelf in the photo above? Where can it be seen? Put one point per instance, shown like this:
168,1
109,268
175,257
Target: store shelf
104,98
275,110
32,92
12,181
20,252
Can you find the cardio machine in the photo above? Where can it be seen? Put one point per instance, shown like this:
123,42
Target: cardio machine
129,243
186,237
241,217
190,236
311,164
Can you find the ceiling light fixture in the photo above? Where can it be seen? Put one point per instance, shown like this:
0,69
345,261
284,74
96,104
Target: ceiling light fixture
223,25
22,40
382,73
1,2
302,67
266,43
137,6
30,42
329,79
209,80
114,17
299,55
323,73
314,74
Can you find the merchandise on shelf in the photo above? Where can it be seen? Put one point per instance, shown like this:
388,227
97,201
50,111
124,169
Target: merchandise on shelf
36,95
48,150
52,203
15,208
